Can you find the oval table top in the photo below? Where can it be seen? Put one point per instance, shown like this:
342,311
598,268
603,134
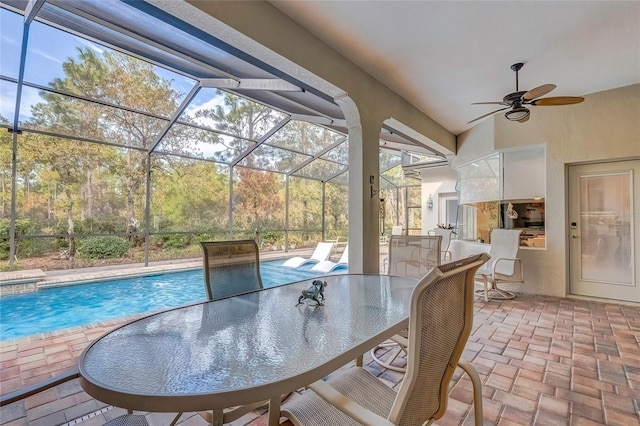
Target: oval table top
243,349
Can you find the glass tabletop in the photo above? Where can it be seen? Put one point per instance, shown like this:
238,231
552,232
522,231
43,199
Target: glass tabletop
243,348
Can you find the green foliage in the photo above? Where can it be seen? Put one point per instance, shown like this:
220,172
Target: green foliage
271,238
102,247
104,225
23,226
175,241
74,186
294,240
34,247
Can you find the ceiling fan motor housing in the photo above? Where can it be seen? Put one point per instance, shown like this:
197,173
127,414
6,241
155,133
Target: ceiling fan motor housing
514,97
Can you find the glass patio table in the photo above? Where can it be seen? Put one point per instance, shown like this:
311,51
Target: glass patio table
243,349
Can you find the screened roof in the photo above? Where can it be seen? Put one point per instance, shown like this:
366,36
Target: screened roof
202,98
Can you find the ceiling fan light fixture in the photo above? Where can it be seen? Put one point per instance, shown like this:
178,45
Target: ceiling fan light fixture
518,114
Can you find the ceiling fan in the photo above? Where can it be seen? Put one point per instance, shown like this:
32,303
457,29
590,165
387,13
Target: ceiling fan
515,102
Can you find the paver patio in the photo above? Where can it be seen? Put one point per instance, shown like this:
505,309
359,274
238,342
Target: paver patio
543,361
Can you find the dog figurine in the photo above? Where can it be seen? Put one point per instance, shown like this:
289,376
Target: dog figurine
315,292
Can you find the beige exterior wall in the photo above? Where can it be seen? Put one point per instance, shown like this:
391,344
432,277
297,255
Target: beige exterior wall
606,126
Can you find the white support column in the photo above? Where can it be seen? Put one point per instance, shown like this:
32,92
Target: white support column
364,135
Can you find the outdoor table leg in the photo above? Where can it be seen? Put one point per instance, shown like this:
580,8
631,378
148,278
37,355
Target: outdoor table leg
216,418
274,411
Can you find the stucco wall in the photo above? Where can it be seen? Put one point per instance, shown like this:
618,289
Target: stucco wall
606,126
435,181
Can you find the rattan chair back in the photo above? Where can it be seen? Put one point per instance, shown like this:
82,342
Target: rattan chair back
413,255
440,322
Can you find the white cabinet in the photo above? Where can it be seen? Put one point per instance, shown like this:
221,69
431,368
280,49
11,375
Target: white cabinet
523,174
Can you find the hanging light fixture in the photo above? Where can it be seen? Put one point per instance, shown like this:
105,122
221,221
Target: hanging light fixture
520,114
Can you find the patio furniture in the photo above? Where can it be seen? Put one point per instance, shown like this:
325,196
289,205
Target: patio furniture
230,267
409,256
242,349
413,255
446,241
329,266
320,253
129,419
504,266
437,338
395,230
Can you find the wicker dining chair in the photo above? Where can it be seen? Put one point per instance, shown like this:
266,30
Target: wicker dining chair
413,255
410,256
440,323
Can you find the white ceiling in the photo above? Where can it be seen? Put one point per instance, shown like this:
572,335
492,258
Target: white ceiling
443,55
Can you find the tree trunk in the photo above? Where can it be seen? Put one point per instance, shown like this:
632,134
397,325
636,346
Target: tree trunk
70,229
89,194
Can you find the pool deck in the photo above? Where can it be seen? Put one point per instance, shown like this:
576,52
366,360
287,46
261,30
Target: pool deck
16,282
542,360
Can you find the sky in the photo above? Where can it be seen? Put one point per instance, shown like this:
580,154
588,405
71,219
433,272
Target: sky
47,49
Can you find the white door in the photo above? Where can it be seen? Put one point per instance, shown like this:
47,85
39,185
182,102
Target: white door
604,204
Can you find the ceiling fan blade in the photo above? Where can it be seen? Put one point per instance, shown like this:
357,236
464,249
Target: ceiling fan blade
538,91
557,100
488,103
486,115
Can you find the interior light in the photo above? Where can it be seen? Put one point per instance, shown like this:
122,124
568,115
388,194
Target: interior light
517,114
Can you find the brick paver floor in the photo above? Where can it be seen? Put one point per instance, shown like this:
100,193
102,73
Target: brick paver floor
542,360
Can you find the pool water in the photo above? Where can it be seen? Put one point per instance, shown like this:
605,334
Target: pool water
74,305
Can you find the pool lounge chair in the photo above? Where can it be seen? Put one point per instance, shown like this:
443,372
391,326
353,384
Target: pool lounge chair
321,253
329,266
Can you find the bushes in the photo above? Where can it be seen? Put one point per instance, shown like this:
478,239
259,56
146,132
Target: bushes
179,241
23,226
102,247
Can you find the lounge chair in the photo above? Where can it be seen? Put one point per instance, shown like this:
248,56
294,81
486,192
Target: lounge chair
329,266
321,253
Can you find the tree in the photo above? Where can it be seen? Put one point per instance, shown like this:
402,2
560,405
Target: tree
117,79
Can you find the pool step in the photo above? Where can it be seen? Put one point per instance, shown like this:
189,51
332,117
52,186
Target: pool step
18,282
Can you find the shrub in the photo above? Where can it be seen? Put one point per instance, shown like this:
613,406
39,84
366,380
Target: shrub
173,241
271,237
102,247
23,226
34,247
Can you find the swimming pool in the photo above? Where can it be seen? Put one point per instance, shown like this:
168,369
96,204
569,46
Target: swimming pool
74,305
